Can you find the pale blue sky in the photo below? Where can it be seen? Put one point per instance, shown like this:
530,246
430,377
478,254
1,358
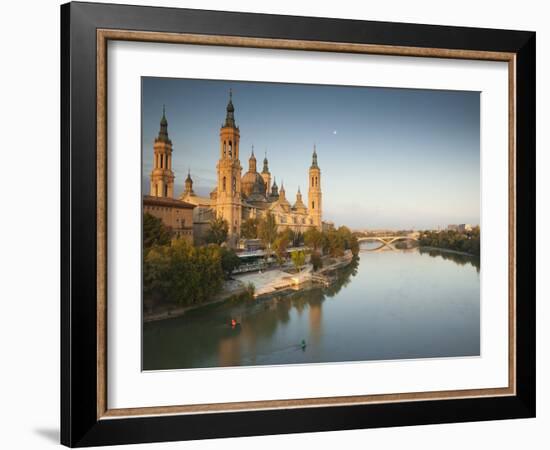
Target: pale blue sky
389,158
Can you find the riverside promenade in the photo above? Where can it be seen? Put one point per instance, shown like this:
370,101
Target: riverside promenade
275,280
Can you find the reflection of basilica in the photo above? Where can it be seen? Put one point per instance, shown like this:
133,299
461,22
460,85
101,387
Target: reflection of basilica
315,319
265,319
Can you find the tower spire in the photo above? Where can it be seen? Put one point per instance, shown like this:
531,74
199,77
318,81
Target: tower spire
314,192
314,158
252,161
162,177
230,116
266,167
189,184
163,132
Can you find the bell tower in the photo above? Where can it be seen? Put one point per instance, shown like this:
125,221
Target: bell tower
228,203
314,193
162,177
266,175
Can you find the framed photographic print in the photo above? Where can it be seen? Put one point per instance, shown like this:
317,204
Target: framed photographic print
276,224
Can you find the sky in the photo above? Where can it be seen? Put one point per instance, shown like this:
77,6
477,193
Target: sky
389,158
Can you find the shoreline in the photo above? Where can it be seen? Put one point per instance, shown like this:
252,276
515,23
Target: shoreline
447,250
180,311
283,285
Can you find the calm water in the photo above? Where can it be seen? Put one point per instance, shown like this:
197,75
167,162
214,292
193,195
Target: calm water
387,305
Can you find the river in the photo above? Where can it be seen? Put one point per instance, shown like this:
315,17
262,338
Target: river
393,304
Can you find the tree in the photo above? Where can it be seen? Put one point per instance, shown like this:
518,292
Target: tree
229,260
249,228
182,274
347,238
280,245
354,246
334,243
156,276
154,232
298,259
217,234
267,232
316,261
467,241
313,238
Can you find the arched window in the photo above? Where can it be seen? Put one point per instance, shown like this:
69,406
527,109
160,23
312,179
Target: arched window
224,149
166,190
230,149
313,205
156,190
223,184
312,181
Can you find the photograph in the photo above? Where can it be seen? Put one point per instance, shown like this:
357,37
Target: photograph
305,224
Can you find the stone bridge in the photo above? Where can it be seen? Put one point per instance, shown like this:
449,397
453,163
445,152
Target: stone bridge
387,241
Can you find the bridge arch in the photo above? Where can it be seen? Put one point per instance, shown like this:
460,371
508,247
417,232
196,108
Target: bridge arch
386,241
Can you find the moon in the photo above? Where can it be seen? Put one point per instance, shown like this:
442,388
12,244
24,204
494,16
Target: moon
335,132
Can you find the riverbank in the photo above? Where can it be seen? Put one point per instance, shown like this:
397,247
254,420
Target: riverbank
231,289
274,281
266,284
447,250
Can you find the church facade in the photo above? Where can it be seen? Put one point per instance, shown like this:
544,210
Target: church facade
238,197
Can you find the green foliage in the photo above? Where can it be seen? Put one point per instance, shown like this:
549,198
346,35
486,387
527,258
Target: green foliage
267,231
313,238
467,241
334,243
250,289
280,246
249,228
182,274
217,234
154,232
298,259
316,261
229,260
354,246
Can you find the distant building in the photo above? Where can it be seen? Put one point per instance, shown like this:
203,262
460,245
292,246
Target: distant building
461,228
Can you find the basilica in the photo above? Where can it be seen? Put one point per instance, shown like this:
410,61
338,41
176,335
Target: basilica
237,197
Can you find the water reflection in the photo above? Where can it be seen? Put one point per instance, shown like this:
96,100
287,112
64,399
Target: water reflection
459,258
387,305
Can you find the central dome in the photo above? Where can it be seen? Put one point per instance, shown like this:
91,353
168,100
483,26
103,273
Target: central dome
252,183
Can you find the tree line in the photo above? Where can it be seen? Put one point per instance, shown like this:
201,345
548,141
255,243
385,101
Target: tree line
177,272
462,241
